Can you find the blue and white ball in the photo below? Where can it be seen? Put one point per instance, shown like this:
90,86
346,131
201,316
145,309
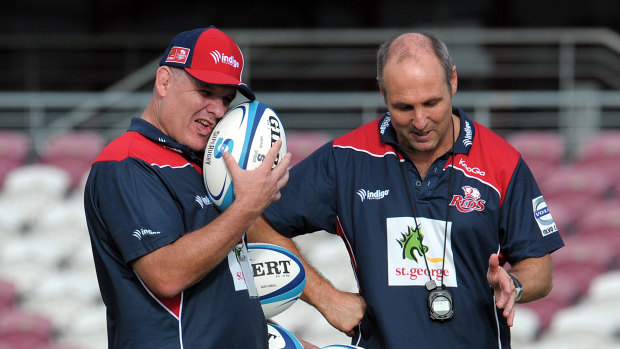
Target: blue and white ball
279,338
279,276
247,132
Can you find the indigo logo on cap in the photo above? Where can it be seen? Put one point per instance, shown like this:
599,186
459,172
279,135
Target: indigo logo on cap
178,55
220,57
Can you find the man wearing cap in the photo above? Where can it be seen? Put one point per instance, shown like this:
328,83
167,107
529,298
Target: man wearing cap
165,257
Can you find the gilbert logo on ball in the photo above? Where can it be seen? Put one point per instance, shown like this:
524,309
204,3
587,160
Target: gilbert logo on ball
279,276
280,338
247,132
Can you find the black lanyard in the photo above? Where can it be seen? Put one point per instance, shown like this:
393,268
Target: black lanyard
412,205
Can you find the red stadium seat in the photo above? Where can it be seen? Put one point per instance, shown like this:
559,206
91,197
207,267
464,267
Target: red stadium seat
603,146
564,215
15,147
8,296
601,220
577,188
302,143
565,293
25,330
583,258
543,151
601,152
74,152
600,225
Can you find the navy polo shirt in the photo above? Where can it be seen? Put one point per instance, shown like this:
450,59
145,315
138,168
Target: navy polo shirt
483,201
145,191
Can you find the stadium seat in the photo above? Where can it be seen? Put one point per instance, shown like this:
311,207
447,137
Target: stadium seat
48,251
584,258
543,151
74,152
25,277
598,321
571,341
25,330
604,289
90,329
302,143
601,221
564,215
601,152
6,166
578,188
30,190
526,327
567,290
60,346
40,180
15,147
8,296
66,219
602,147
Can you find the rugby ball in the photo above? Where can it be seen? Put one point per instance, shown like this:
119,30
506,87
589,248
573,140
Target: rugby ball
341,346
247,132
279,277
279,338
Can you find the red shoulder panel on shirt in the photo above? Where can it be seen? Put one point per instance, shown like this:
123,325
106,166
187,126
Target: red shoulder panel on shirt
134,145
491,160
365,138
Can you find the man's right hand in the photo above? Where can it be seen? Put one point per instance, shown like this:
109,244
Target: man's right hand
258,188
343,310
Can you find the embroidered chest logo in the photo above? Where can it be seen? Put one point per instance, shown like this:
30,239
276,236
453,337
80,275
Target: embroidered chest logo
364,194
203,201
470,202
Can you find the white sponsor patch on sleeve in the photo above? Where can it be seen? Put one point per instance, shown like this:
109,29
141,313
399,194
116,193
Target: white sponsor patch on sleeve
543,216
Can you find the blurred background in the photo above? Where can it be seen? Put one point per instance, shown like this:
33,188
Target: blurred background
543,74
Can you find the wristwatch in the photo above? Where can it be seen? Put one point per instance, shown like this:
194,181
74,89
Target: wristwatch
518,286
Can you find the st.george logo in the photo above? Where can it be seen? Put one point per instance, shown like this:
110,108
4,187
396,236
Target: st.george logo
223,145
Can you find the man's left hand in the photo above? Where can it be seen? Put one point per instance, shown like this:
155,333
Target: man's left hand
503,288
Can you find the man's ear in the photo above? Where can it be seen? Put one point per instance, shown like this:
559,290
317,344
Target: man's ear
163,79
383,96
453,80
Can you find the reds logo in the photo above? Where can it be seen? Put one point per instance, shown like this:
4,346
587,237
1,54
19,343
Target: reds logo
471,201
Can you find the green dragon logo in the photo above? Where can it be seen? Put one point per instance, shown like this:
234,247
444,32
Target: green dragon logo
412,242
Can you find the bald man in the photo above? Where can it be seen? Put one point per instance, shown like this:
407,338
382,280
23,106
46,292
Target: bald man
430,206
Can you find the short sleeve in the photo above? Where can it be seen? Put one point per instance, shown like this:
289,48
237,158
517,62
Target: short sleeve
308,201
136,207
526,226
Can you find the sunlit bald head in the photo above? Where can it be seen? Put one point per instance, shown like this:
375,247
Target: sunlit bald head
411,47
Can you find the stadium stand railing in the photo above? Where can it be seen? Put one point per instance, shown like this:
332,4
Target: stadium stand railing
566,80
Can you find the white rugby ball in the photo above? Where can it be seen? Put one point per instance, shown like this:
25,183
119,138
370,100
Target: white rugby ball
279,338
341,346
279,277
247,132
